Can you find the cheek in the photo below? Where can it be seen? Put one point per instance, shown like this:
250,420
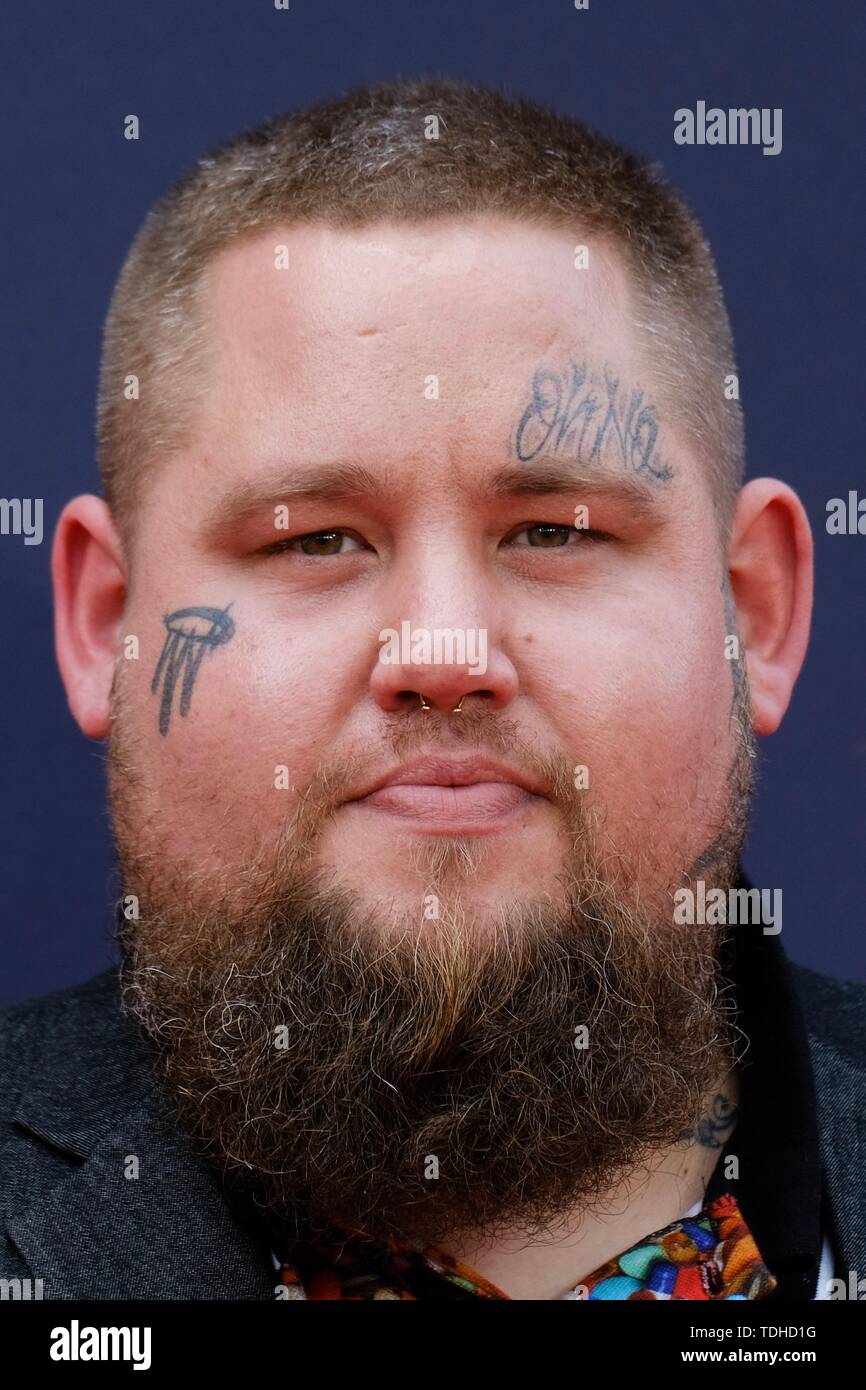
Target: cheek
260,717
643,703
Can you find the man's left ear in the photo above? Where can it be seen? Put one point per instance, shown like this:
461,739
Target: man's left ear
770,568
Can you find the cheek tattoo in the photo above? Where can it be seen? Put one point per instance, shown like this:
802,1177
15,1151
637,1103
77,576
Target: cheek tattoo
190,632
578,413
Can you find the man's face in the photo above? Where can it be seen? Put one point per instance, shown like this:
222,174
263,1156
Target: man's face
434,944
434,357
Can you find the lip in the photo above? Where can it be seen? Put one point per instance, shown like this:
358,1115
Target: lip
455,795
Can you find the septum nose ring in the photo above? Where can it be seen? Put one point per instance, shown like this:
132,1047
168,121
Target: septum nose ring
426,706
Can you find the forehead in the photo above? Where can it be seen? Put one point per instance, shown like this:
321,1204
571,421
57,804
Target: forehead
317,329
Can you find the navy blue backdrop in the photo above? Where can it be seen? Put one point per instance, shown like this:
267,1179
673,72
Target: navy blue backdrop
786,229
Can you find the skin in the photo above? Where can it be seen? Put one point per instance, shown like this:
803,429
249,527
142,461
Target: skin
607,653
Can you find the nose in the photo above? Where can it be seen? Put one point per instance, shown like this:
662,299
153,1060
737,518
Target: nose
448,670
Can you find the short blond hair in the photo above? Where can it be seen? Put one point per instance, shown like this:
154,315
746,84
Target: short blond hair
364,158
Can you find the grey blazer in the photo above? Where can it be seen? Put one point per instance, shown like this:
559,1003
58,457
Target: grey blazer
77,1098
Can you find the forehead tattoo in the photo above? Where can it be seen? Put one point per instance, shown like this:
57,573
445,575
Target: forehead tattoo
586,414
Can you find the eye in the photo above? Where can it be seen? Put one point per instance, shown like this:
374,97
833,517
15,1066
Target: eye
315,543
549,535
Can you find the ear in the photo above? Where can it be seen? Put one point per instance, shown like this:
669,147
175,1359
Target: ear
770,568
89,579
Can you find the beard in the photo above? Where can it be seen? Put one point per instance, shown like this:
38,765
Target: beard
355,1071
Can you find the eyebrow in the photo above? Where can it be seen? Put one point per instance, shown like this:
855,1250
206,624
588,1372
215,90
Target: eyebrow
550,477
346,479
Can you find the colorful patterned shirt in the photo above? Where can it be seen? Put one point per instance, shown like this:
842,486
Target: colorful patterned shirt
708,1254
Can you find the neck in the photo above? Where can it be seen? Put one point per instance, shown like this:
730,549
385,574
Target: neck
651,1198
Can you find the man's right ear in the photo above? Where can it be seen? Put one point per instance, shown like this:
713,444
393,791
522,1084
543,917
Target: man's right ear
89,579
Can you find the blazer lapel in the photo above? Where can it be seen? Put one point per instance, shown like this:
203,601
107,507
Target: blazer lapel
841,1093
142,1217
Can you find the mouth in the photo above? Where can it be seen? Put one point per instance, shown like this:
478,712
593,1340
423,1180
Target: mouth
450,796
